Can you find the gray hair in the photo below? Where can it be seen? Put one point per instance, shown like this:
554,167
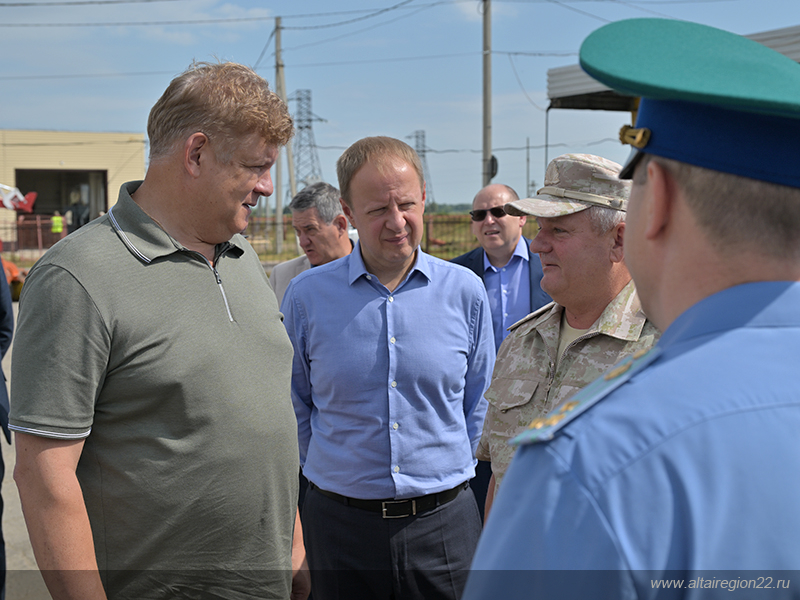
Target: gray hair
605,219
322,196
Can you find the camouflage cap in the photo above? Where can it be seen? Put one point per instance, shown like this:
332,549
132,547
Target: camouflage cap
572,183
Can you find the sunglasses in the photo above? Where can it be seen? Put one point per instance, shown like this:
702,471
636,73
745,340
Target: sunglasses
480,215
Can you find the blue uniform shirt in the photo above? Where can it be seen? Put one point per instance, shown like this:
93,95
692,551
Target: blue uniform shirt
509,290
388,386
687,469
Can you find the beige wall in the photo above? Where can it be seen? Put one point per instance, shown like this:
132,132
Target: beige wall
121,155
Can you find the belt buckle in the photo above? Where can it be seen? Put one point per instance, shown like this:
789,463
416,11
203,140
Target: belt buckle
384,507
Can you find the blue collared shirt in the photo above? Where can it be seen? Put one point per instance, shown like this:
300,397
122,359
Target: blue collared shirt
388,386
687,469
509,290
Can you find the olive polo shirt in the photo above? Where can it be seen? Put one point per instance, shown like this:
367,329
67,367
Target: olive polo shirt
177,374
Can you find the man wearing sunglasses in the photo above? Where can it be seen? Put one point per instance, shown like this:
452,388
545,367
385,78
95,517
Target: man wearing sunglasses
504,261
511,274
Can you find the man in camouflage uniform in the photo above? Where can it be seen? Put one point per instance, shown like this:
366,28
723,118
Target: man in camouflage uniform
596,318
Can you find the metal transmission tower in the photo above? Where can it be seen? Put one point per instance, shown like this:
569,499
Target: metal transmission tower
306,160
420,147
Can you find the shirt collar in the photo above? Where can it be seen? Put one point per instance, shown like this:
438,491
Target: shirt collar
520,250
357,268
143,237
761,304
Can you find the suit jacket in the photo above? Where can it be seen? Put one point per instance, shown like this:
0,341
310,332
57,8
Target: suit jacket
473,260
283,273
6,332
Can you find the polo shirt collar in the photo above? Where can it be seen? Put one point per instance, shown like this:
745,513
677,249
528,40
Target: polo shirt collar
143,237
357,268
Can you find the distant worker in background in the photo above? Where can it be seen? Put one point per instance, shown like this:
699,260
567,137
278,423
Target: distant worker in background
6,333
321,229
511,274
57,224
596,319
77,214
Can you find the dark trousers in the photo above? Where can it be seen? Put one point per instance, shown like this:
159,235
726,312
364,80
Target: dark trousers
355,553
2,541
480,483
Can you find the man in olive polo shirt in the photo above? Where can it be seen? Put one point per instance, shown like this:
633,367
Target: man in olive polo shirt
156,442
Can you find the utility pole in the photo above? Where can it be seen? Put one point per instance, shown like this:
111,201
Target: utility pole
528,167
487,93
280,89
278,190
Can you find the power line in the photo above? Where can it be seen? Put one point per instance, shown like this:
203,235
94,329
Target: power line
293,65
86,75
519,81
357,31
141,23
77,3
355,20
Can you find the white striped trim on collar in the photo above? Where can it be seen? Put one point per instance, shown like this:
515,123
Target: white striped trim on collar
126,240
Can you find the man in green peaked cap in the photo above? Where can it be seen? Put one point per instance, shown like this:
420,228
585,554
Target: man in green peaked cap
677,469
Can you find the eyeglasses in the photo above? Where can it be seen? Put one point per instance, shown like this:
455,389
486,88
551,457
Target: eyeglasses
480,214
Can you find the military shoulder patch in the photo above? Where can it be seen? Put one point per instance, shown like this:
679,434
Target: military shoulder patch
537,313
545,428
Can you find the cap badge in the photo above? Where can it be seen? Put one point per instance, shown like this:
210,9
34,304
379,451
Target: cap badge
637,138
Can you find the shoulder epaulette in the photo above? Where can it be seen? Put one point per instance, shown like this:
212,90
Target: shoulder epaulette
545,428
537,313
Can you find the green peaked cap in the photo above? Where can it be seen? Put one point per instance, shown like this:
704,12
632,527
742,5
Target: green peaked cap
679,60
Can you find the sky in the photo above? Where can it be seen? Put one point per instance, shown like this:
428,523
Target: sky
374,67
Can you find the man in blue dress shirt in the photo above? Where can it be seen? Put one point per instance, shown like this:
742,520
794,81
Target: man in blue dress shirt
510,271
675,475
393,353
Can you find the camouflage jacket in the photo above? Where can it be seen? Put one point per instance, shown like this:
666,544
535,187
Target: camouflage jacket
525,383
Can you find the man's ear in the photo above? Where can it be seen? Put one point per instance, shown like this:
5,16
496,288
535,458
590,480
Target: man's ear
618,247
194,152
660,201
348,213
340,221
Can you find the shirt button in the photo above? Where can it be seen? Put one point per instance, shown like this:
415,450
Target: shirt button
394,384
396,469
391,298
369,277
392,340
395,426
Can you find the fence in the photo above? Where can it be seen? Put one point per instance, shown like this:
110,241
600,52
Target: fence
445,236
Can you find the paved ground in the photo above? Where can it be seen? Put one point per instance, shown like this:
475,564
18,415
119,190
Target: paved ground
24,582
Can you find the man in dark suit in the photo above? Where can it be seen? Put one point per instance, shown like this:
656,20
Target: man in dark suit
504,260
510,272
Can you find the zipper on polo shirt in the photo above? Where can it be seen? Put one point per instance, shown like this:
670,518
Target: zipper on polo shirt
223,248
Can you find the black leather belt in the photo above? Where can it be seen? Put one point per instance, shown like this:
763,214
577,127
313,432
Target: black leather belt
396,509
